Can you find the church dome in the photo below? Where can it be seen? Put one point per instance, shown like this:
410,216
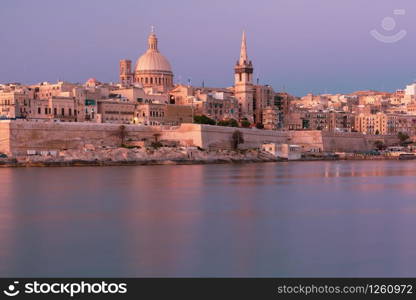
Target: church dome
152,60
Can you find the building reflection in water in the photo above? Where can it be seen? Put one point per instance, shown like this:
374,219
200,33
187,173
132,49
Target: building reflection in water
274,219
8,218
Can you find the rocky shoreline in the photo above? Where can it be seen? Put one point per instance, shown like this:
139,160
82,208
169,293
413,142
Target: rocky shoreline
134,156
122,156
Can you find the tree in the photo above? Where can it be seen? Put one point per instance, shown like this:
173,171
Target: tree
403,137
379,145
203,120
224,123
122,134
156,137
229,123
245,123
237,138
233,123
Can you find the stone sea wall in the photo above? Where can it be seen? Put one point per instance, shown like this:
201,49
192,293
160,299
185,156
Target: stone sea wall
17,137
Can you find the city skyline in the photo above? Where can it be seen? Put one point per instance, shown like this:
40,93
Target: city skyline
341,57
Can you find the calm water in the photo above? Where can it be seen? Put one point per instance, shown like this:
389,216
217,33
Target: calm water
276,219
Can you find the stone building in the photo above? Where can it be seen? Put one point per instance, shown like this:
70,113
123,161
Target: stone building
155,114
46,90
263,97
340,121
215,103
55,108
371,123
126,75
138,95
381,123
118,110
331,121
15,102
270,118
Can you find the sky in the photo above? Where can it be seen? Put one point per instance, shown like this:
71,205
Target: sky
299,46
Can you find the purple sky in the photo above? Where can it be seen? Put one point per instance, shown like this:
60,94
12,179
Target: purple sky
304,45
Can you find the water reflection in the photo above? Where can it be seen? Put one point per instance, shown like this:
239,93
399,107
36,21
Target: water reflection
285,219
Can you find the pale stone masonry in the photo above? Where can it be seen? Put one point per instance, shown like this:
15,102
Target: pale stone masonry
243,82
17,137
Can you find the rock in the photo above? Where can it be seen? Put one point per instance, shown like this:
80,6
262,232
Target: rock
89,147
119,154
162,155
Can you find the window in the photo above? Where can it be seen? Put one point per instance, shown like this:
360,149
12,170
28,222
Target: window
55,111
63,111
46,110
39,111
70,112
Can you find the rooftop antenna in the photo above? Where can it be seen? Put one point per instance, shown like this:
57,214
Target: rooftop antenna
189,82
152,29
203,83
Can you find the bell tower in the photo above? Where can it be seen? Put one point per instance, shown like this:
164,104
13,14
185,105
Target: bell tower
243,82
126,77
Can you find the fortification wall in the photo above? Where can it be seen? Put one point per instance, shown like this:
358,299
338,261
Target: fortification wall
342,142
349,142
186,134
4,137
25,136
219,135
308,140
19,136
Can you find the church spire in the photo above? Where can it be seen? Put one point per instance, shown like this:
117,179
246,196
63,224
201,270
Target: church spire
243,52
243,85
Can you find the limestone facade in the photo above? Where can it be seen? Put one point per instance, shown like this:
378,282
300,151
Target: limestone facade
155,114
